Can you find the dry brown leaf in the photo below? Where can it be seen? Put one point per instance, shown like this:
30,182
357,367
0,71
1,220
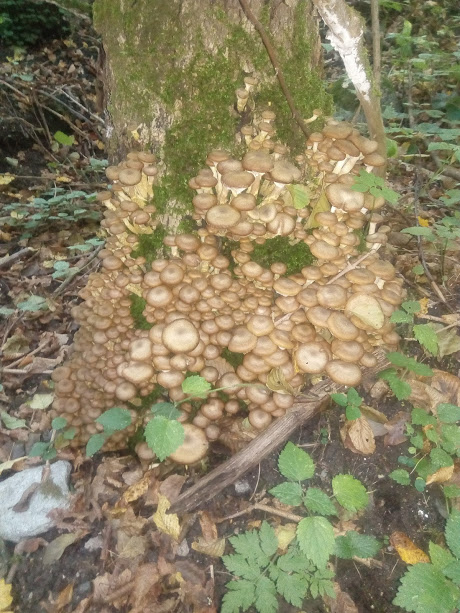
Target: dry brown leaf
371,413
448,340
208,526
407,549
221,365
171,487
135,491
131,546
145,585
167,523
396,429
358,437
441,476
210,548
56,548
277,382
342,603
64,598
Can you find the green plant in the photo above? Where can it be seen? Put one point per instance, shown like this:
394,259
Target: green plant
351,401
435,445
424,333
163,434
402,365
435,586
24,23
60,437
368,182
263,570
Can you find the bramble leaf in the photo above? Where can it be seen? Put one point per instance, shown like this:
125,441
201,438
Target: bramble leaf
316,539
115,419
355,544
288,492
164,436
318,501
404,361
424,588
427,337
448,413
196,386
295,464
349,492
453,532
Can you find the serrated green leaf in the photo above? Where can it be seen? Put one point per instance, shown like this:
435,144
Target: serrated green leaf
294,560
318,501
288,492
452,571
39,450
12,423
433,436
265,596
401,317
5,311
300,195
63,139
419,417
166,409
453,532
440,458
354,544
411,306
293,588
164,436
33,303
419,231
450,436
404,361
240,595
401,476
295,463
241,567
451,491
268,541
315,536
352,413
400,388
350,493
58,423
439,556
115,419
353,397
424,589
448,413
340,399
95,443
427,337
196,386
418,269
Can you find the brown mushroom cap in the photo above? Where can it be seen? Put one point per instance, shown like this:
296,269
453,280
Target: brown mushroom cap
344,373
238,179
312,357
130,176
222,216
258,161
347,351
180,336
194,447
285,172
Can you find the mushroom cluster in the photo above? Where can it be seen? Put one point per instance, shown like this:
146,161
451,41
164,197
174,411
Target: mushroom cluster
227,317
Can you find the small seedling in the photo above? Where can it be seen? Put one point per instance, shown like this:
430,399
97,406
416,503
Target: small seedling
351,401
368,182
261,569
402,365
60,437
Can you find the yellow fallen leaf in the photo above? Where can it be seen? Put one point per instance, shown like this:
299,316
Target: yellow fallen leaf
210,548
10,463
5,596
423,222
135,134
423,306
407,549
167,523
6,178
63,179
441,476
285,535
135,491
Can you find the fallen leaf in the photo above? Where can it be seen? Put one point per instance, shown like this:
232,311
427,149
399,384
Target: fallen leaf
448,340
146,582
285,535
130,546
64,598
277,382
441,476
40,402
357,436
10,463
210,548
171,487
135,491
407,549
56,548
342,603
371,413
167,523
5,596
208,527
423,222
396,429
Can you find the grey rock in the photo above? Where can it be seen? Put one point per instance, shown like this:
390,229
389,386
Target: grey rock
242,487
53,494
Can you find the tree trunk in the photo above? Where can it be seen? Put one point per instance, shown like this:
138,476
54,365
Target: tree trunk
172,68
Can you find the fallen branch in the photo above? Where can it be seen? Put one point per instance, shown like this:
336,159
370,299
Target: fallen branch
305,408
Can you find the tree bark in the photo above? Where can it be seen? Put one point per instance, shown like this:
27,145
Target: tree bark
172,68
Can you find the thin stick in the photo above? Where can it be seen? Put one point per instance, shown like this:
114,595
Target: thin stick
9,259
276,65
376,53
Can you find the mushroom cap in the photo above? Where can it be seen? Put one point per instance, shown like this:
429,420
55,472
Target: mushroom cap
337,130
343,197
341,327
180,336
312,357
331,296
244,202
374,159
130,176
324,251
286,287
222,216
347,351
285,172
242,340
258,161
137,372
140,349
260,325
194,447
344,373
204,202
238,179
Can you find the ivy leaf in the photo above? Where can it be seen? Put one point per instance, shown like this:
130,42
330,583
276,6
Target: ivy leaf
404,361
316,539
453,532
448,413
318,501
196,386
240,595
424,588
355,544
95,443
350,492
427,337
288,492
115,419
165,409
164,436
295,464
401,476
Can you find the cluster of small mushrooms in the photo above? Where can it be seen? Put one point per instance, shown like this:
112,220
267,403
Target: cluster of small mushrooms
285,329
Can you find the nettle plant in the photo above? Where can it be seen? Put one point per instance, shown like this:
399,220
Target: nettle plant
434,447
402,366
268,563
435,586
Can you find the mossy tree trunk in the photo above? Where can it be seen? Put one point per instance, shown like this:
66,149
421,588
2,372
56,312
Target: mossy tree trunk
172,68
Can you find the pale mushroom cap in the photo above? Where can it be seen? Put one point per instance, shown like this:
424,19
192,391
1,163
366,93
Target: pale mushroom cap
180,336
258,161
344,373
347,351
137,372
194,447
130,176
311,357
242,340
285,172
238,179
222,216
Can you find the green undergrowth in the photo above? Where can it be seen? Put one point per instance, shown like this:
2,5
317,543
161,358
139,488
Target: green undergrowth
280,249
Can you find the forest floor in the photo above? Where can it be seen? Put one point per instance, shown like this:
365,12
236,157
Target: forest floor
106,553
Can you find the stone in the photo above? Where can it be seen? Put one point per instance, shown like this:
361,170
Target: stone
33,520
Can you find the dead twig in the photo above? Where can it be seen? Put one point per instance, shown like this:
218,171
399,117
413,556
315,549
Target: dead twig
266,509
9,259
